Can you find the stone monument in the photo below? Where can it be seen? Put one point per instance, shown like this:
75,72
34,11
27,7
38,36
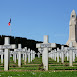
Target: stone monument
73,29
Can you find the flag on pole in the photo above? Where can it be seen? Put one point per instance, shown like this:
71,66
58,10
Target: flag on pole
9,22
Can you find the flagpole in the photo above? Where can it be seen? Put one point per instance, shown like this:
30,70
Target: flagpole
10,30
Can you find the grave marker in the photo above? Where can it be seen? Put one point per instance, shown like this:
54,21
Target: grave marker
28,55
6,48
45,45
19,50
1,53
62,54
71,48
25,55
58,54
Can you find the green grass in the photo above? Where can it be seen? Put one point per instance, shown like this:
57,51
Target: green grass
63,68
36,61
55,69
34,66
24,68
38,74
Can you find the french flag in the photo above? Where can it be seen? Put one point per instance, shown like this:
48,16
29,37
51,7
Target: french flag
9,22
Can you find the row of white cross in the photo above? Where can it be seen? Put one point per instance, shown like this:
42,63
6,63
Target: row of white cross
62,53
16,53
45,47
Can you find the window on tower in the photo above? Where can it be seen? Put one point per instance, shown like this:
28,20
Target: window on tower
73,16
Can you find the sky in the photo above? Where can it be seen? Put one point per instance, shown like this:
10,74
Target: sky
33,19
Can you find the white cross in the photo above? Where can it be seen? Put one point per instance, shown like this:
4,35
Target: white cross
6,48
45,45
19,50
25,55
70,54
1,53
62,54
28,55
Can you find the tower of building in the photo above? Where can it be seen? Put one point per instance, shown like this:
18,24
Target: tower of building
72,29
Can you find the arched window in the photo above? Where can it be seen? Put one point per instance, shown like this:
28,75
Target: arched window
73,15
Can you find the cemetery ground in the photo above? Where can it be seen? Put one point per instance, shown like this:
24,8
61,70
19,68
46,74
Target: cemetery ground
35,69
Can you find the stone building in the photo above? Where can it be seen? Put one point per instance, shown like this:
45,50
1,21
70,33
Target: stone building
73,29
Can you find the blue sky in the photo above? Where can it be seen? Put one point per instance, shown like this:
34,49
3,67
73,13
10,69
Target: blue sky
35,18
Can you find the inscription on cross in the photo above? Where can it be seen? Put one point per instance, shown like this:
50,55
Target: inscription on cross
45,45
71,48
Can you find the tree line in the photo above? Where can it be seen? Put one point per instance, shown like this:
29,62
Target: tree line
29,43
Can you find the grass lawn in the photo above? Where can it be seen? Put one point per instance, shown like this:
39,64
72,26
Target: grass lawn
38,74
32,69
